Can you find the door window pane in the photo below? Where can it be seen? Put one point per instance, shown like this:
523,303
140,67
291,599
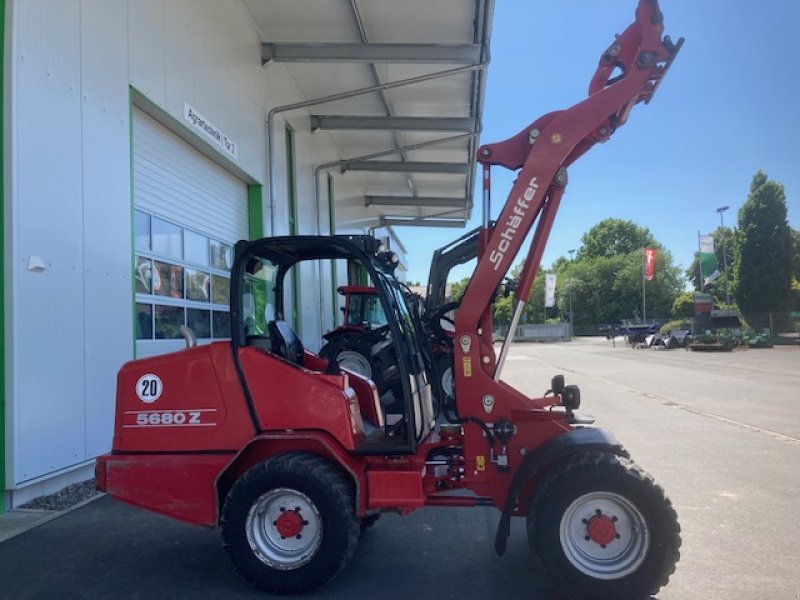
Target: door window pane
199,321
144,321
196,247
167,239
168,280
143,275
222,324
220,289
142,230
198,285
168,321
221,255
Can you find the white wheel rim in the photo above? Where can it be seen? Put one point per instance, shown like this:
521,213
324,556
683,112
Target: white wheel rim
447,381
604,535
278,512
356,362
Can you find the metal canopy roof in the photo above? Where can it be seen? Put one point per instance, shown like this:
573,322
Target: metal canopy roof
398,86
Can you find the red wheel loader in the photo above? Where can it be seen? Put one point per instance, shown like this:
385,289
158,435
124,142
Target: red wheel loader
290,455
363,343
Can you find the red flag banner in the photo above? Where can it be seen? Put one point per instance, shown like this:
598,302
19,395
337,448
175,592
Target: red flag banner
649,263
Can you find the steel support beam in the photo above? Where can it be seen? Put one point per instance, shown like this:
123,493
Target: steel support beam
333,122
421,222
407,167
399,53
415,201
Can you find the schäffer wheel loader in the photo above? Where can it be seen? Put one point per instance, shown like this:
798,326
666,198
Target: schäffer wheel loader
291,455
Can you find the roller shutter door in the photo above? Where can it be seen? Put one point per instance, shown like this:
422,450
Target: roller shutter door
189,212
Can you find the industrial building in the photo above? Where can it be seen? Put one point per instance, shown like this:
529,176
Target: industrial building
143,138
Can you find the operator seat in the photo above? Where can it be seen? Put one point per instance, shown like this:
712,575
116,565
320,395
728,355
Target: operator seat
285,343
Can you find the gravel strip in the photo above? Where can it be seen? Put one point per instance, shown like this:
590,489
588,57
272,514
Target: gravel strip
69,496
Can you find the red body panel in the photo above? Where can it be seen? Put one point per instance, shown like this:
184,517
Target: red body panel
286,396
365,389
201,406
391,488
177,485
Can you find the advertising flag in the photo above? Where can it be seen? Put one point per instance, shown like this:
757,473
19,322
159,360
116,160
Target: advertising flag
649,263
709,266
549,290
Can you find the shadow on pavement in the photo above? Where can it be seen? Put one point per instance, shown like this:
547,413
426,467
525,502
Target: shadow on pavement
109,550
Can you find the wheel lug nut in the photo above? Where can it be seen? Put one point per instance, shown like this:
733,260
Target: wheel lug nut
585,521
587,538
598,512
283,509
615,519
617,536
305,522
275,523
299,536
602,545
296,509
283,537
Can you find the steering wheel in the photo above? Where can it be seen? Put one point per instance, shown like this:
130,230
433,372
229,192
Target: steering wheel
436,317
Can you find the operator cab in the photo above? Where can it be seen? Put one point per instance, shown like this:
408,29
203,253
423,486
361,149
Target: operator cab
261,279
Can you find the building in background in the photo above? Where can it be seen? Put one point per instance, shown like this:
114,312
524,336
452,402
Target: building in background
143,138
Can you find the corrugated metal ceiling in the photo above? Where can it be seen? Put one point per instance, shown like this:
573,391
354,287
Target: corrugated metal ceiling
339,46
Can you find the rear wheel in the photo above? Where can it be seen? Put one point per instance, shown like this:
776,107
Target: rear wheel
353,355
444,368
289,523
602,528
355,361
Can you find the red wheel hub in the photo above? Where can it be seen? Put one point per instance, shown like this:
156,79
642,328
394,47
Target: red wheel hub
289,524
601,530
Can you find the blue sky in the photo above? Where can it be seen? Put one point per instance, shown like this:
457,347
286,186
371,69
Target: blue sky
729,106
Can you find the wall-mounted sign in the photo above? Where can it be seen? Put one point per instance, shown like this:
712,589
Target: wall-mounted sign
210,131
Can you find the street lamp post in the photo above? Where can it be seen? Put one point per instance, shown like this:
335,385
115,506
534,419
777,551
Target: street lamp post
569,294
721,210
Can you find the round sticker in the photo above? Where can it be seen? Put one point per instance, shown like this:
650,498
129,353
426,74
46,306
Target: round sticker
149,388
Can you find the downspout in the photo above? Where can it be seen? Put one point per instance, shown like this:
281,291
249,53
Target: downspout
340,163
382,153
484,12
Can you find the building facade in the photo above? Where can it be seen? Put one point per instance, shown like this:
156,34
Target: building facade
136,152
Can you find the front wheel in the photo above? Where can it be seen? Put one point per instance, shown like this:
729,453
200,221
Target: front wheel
602,528
289,523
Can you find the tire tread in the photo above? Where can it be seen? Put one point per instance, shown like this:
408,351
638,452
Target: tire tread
572,472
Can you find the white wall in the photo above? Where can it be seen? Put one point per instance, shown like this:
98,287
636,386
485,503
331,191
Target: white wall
72,65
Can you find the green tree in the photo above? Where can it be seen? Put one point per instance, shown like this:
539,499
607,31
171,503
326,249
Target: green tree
683,306
762,277
609,289
795,254
458,288
614,237
605,280
534,308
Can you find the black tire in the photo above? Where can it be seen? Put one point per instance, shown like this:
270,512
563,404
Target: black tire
263,504
445,386
635,538
358,350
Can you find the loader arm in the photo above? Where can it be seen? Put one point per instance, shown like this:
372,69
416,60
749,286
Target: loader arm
629,72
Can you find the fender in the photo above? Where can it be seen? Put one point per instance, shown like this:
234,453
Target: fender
584,439
269,444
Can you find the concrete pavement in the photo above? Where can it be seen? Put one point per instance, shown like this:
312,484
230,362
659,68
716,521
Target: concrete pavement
720,432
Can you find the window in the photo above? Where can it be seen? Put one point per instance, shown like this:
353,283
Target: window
181,277
258,298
